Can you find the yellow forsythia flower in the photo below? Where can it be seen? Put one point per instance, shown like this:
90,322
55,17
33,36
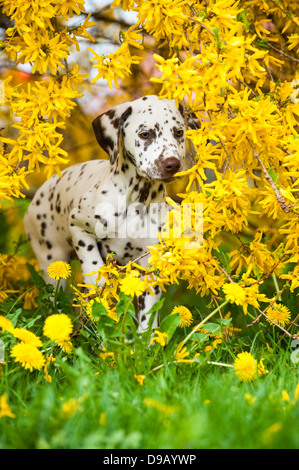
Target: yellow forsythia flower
5,408
160,338
140,378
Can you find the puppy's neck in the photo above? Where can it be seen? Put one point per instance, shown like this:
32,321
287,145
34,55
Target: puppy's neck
136,187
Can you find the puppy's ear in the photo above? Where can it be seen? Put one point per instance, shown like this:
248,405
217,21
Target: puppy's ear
108,127
193,121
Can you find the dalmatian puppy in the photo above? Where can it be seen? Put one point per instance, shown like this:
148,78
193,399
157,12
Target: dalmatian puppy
118,206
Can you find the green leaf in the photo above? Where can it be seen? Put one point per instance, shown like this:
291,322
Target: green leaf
32,321
262,43
212,328
216,32
13,317
200,337
242,17
169,324
224,322
273,175
152,312
98,309
125,304
36,278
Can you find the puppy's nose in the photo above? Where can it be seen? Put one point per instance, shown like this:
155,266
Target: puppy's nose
171,165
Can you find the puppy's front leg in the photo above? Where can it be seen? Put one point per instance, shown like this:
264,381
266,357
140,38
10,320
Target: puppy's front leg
145,302
85,245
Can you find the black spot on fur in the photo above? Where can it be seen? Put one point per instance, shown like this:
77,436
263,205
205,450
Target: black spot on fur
144,192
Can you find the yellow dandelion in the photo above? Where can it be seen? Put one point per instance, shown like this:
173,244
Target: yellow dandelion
185,315
28,355
140,378
160,338
132,285
6,324
58,327
66,346
5,408
245,367
27,337
59,270
279,313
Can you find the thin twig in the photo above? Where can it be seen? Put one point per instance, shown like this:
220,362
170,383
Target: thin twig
284,206
247,86
274,323
289,327
284,12
268,306
227,162
225,273
283,53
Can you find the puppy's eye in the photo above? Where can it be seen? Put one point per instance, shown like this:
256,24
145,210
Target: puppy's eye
179,132
144,135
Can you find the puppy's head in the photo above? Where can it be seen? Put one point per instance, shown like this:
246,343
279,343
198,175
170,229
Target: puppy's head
152,135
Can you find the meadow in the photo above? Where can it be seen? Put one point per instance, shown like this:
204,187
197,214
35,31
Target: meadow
114,389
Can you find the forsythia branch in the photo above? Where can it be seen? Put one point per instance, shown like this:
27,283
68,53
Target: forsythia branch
284,206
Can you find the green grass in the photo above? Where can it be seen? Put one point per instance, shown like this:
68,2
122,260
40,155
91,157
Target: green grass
96,403
191,407
179,406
